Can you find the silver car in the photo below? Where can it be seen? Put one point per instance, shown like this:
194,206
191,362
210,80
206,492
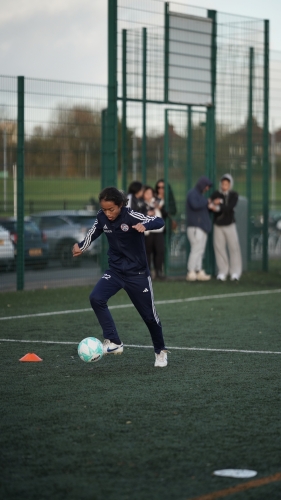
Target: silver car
63,228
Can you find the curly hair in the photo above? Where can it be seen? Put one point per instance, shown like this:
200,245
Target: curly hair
113,194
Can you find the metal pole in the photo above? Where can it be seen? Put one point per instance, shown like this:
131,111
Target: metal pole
15,188
211,132
124,111
110,174
5,167
103,147
135,157
189,149
104,245
166,54
143,158
212,14
250,149
265,147
166,182
273,169
20,186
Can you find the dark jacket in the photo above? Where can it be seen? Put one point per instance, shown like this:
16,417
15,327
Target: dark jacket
197,206
126,254
225,214
137,204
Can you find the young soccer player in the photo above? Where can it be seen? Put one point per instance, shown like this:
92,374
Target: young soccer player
128,269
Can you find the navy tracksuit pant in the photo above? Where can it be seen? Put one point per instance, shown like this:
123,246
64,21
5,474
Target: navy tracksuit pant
139,289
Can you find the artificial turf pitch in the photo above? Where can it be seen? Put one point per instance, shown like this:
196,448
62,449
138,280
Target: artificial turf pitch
122,429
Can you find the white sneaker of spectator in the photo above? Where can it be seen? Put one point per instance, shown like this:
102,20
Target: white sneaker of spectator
221,277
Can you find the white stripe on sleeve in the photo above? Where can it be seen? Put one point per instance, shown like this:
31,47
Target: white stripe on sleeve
88,237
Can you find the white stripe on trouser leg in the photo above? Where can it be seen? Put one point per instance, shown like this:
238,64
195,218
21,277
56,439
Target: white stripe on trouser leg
152,300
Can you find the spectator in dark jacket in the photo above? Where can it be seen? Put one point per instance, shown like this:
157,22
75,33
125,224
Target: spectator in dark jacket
225,232
135,197
198,226
167,210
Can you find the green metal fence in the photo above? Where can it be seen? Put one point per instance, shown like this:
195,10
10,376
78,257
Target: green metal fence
51,131
227,134
80,137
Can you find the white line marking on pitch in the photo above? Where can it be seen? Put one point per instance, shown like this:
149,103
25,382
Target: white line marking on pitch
145,346
157,302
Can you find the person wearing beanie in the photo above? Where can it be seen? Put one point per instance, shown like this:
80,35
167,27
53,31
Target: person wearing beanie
226,242
199,224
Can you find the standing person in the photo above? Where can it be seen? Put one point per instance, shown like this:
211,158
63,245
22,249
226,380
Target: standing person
135,197
128,269
154,240
171,209
168,210
198,226
225,232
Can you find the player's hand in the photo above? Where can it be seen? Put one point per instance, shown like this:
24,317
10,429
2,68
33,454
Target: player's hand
140,228
76,250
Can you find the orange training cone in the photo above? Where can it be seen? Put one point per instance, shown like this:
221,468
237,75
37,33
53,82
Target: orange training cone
30,357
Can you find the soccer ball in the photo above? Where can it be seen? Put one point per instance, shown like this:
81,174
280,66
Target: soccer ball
90,350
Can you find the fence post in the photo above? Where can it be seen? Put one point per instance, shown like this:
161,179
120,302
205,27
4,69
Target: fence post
189,148
104,244
265,147
250,149
211,134
143,162
124,111
110,175
166,182
166,54
20,186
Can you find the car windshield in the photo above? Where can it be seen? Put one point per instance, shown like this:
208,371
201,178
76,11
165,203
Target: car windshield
29,227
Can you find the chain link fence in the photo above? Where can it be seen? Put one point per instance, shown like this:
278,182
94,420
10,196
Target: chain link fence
63,141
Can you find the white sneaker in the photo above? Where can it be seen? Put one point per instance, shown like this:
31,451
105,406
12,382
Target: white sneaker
161,359
202,276
111,348
221,277
234,277
191,276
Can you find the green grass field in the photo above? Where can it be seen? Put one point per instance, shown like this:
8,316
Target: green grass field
76,192
122,429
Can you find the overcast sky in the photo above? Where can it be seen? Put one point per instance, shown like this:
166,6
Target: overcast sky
67,39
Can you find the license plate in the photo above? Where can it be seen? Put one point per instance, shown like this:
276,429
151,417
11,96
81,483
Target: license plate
35,252
2,242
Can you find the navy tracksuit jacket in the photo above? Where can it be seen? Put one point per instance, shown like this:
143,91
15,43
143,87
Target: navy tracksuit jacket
128,269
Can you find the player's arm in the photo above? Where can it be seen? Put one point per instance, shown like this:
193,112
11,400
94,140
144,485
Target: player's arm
142,223
93,233
146,223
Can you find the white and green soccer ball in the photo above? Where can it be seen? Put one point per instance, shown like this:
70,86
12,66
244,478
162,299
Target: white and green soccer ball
90,350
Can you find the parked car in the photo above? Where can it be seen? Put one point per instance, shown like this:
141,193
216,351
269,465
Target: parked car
7,251
36,250
64,228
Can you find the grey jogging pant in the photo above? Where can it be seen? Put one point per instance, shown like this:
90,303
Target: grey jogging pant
226,237
197,239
